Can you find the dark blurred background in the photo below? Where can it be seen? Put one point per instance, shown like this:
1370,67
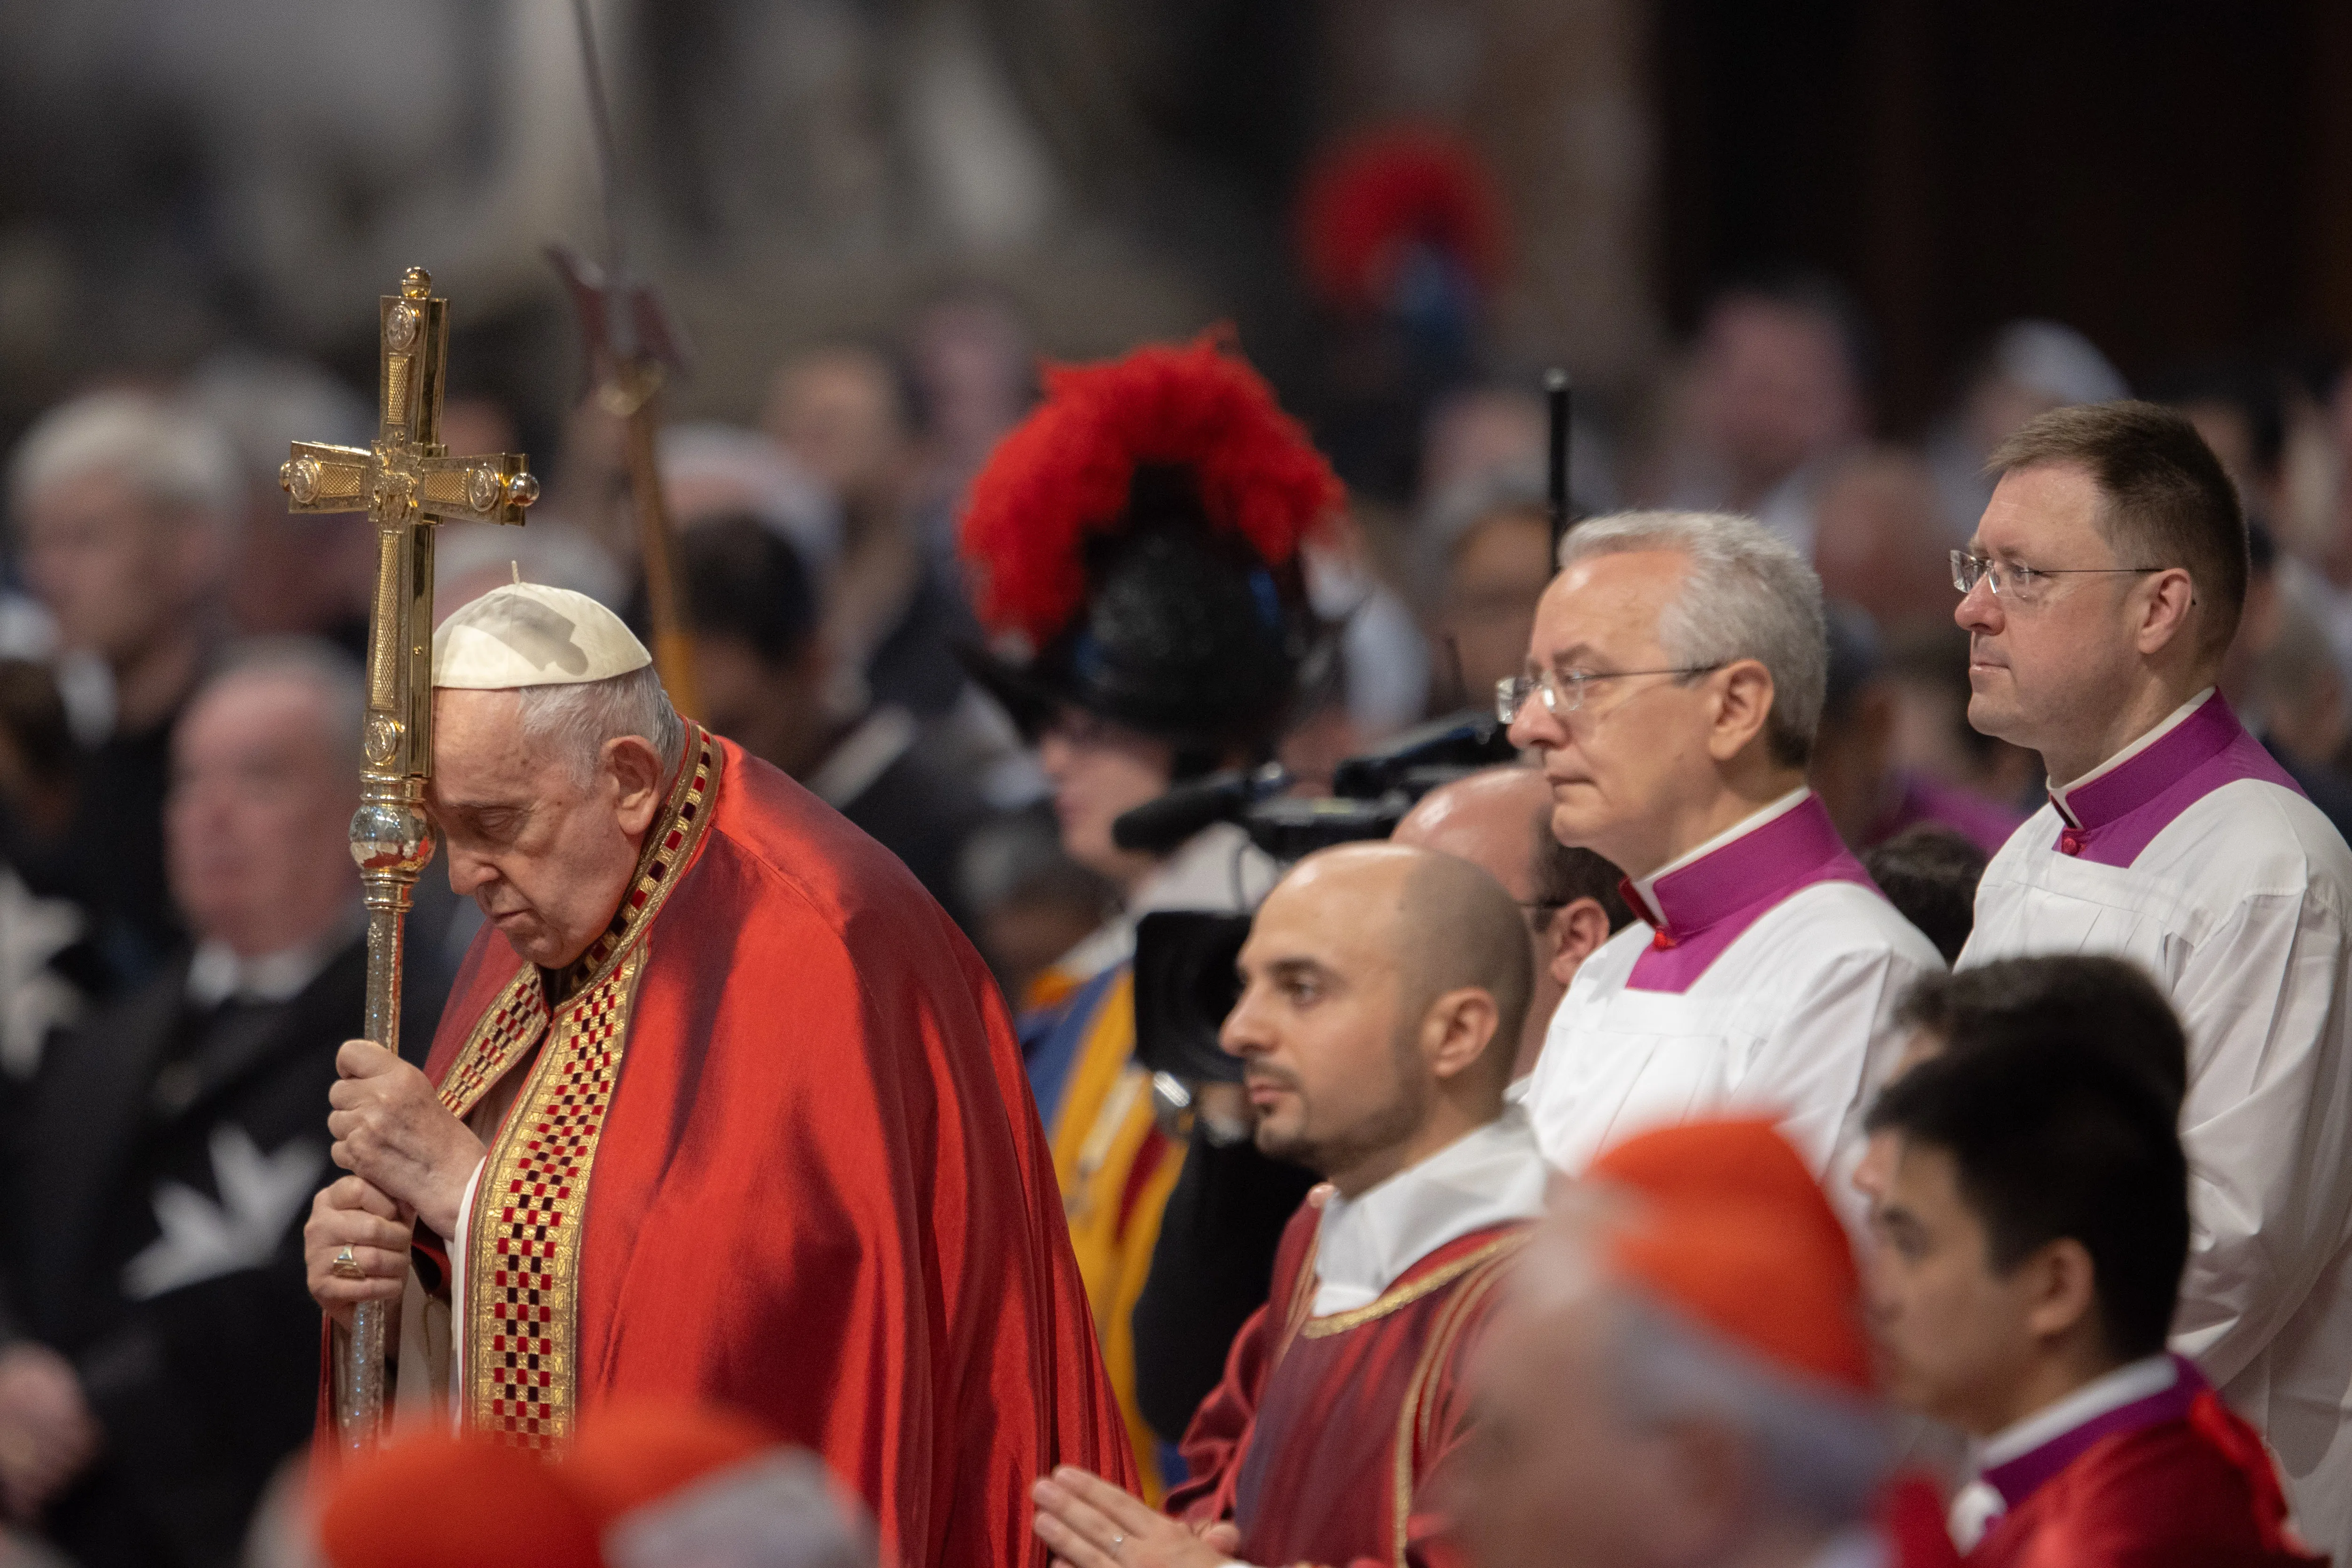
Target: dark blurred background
2169,178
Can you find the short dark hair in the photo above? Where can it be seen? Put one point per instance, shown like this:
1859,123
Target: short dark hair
2106,1004
744,580
1565,874
2168,500
1929,873
2059,1129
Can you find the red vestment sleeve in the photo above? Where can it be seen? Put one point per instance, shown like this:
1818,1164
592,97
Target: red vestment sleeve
1212,1445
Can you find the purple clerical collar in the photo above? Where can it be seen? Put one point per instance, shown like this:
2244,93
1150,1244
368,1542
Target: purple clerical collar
2018,1478
1699,907
2112,815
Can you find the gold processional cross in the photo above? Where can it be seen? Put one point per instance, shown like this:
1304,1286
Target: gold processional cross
407,484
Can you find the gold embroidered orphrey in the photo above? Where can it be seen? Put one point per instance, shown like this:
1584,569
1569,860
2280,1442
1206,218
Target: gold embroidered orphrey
406,482
1475,1274
520,1322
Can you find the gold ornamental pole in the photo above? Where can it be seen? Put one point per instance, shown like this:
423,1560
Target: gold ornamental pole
632,347
406,483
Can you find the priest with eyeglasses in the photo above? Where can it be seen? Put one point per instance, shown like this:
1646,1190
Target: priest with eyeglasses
2100,593
1675,675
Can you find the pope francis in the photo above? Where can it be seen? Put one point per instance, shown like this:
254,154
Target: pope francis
722,1106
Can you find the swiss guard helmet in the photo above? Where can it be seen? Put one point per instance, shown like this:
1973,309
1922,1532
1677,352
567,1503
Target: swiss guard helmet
1135,548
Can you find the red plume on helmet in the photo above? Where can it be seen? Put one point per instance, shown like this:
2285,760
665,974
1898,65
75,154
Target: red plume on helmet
1371,198
1063,478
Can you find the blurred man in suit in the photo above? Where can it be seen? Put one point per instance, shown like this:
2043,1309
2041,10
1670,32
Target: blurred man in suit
162,1348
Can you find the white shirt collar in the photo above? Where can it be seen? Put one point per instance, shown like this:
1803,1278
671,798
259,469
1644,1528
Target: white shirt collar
2058,793
1492,1175
216,973
1978,1504
2133,1381
1739,829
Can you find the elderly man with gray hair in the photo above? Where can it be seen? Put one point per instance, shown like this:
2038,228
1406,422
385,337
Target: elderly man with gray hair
1672,684
722,1109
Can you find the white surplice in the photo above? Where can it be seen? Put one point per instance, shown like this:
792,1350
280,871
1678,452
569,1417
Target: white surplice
2194,855
1762,977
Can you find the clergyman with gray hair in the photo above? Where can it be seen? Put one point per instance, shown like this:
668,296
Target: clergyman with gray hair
1672,684
720,1096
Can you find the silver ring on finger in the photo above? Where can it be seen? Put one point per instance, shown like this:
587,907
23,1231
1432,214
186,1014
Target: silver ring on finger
1115,1543
348,1266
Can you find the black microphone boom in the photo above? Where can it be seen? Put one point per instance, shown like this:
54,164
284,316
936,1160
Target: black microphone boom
1158,825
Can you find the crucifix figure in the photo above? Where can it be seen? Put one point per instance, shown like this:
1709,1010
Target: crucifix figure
407,484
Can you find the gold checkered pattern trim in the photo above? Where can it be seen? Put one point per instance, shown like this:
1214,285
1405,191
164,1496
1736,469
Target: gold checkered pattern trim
521,1318
523,1279
507,1032
669,844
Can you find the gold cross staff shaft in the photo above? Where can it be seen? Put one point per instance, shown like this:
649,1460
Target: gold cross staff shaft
406,483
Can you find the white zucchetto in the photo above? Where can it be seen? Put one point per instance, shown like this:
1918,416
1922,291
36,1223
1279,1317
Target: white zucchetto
528,634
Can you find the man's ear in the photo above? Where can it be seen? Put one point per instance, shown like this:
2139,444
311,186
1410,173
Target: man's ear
635,769
1578,929
2061,1289
2167,603
1457,1029
1742,704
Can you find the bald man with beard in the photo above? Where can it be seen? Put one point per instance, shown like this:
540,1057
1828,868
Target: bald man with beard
1214,1261
1384,987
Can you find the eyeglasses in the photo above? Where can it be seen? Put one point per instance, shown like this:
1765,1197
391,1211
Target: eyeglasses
1564,692
2025,585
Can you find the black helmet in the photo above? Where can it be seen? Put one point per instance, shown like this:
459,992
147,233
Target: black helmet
1136,545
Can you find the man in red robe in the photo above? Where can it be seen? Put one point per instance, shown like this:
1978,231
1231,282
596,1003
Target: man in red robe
2027,1249
721,1107
1383,991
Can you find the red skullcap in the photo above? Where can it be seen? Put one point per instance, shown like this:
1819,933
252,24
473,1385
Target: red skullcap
442,1501
1736,1233
630,1452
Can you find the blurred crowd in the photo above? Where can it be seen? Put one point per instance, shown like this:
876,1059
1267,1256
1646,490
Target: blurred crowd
180,933
148,537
